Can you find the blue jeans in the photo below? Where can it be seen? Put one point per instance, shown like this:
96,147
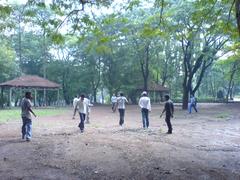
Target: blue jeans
145,119
26,128
82,119
190,106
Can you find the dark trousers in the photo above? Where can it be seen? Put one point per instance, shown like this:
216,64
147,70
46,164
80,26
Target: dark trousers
145,119
121,113
168,121
114,107
82,119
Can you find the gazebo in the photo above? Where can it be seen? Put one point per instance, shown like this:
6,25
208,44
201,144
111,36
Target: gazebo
155,91
31,82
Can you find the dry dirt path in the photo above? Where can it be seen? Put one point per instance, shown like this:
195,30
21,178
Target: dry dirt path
204,145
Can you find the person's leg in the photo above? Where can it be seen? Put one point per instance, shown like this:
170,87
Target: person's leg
169,124
82,119
195,108
143,118
23,127
121,113
147,118
29,129
190,108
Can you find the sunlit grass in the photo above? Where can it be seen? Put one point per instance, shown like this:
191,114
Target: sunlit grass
15,114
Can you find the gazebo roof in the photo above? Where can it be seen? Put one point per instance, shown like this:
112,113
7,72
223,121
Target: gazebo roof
30,81
155,87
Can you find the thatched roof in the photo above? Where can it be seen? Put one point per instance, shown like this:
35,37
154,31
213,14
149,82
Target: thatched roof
155,87
29,81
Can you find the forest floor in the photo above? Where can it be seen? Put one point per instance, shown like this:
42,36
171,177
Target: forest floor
204,145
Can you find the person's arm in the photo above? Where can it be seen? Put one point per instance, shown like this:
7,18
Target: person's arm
163,110
126,100
29,108
149,105
75,109
140,103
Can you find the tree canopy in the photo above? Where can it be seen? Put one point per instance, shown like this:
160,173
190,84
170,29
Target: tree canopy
104,47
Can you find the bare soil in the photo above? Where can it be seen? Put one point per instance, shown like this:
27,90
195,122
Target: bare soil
204,145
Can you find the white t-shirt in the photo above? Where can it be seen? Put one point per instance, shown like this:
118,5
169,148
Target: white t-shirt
121,102
82,106
75,100
144,102
114,99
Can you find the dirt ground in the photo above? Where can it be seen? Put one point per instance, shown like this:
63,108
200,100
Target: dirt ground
204,145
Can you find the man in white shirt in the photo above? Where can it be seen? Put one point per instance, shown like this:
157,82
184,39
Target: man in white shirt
145,105
82,109
121,107
114,102
88,109
75,100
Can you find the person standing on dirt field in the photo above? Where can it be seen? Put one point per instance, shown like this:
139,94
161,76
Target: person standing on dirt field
75,100
192,104
121,107
26,116
82,109
145,105
169,110
114,102
89,104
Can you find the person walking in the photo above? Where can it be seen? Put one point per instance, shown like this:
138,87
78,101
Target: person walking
192,104
145,105
114,102
81,106
89,104
121,101
26,116
169,111
75,100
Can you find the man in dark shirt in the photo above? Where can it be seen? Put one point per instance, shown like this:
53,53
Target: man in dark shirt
169,109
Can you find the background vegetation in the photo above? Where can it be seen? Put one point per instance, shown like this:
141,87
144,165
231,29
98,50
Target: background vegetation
103,47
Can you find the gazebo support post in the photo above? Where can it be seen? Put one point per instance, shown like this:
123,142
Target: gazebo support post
10,97
1,97
44,97
35,97
58,97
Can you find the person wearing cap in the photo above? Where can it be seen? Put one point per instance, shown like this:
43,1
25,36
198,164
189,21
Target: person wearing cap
168,110
82,107
121,101
26,116
145,105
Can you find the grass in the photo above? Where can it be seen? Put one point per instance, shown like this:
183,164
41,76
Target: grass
223,115
15,114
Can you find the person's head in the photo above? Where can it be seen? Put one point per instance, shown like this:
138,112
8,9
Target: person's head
191,95
166,97
144,93
28,95
114,94
121,94
82,96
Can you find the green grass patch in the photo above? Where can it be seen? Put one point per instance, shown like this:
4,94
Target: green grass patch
15,114
222,115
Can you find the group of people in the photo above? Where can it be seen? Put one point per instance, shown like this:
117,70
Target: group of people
82,106
145,105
